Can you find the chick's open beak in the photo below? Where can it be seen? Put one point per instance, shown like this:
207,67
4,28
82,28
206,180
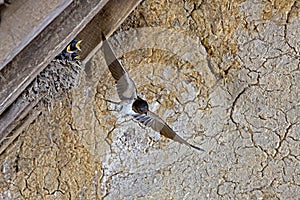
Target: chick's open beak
78,45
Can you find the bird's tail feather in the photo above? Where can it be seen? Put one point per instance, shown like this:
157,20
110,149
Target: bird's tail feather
182,141
195,147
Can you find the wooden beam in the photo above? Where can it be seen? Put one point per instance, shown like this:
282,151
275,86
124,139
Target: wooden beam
22,32
106,21
14,112
27,64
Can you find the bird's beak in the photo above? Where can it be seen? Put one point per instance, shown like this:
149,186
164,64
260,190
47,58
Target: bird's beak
69,49
78,45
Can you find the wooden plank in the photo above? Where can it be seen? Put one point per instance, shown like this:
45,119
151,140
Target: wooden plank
106,21
21,32
24,67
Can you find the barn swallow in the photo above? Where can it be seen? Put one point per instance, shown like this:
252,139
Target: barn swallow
131,103
74,46
73,56
71,51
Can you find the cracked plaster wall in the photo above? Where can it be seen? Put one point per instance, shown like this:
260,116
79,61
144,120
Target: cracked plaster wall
224,75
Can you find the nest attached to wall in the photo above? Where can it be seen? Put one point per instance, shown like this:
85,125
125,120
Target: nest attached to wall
56,79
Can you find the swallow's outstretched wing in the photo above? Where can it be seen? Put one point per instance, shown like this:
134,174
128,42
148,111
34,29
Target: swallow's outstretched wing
156,123
125,86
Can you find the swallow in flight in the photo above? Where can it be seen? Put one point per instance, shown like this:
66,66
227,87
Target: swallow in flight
131,103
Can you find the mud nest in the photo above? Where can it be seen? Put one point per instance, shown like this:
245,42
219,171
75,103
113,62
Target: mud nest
55,80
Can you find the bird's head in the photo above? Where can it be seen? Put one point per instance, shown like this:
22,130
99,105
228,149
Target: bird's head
74,46
140,106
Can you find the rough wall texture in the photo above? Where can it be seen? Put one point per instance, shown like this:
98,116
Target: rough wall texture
225,75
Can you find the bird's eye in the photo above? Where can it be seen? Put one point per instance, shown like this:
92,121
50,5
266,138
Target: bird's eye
143,108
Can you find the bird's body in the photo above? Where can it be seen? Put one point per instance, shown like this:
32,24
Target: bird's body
126,107
67,56
131,103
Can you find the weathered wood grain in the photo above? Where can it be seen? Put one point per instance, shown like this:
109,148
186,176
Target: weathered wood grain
106,21
23,23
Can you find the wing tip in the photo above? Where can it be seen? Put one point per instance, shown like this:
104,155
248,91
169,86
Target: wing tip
197,148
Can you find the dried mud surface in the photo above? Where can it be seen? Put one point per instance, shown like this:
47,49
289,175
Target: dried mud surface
225,75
